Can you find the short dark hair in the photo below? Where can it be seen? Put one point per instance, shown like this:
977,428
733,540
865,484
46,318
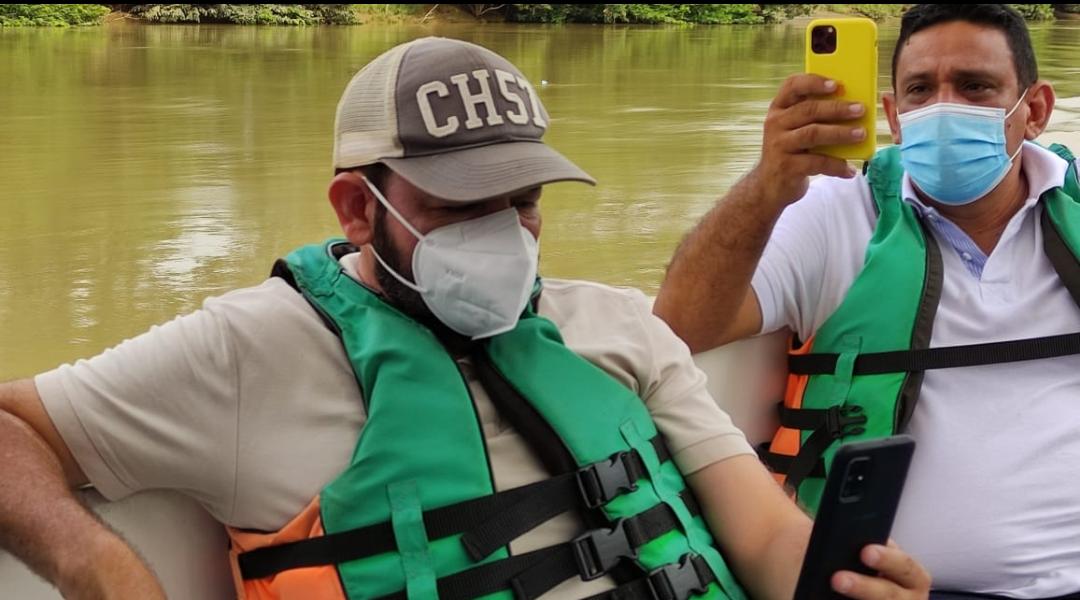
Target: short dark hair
998,16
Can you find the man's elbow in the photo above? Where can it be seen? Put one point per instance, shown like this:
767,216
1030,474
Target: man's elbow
22,409
681,321
689,325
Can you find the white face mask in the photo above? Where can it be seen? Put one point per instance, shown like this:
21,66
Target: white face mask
475,276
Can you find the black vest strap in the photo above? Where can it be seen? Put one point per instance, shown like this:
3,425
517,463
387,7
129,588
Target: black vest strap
589,556
946,357
781,463
676,581
827,424
924,326
512,405
593,486
488,523
537,432
1060,256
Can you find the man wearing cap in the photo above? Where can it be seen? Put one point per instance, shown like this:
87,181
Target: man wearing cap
410,411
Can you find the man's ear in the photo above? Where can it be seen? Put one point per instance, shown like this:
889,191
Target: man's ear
888,103
355,207
1040,101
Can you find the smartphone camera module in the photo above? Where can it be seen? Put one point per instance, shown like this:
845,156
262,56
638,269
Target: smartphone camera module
855,480
823,39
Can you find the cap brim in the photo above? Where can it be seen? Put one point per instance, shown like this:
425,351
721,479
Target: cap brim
487,171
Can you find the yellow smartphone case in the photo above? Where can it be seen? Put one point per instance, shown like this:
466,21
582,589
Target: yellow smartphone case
853,65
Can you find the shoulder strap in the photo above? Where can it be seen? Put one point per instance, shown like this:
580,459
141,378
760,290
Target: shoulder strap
945,357
884,174
282,271
511,404
1061,211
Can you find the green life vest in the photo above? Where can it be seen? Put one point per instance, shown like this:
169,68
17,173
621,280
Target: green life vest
861,375
416,514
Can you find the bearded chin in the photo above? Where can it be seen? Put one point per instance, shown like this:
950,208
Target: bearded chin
396,293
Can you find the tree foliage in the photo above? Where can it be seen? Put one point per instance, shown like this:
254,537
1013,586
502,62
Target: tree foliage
654,13
717,13
55,15
247,14
1035,12
341,14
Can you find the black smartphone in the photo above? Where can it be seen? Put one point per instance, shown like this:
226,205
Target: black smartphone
857,508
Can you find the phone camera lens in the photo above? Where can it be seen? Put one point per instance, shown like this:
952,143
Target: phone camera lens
854,480
823,39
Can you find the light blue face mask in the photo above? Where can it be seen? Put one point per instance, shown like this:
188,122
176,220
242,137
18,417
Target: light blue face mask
956,153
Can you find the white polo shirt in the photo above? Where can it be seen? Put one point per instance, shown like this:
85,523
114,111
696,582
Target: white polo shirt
992,501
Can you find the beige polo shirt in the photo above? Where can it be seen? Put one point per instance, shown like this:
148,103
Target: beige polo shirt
250,406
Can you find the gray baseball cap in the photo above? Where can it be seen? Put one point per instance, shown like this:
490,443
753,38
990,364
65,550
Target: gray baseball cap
454,119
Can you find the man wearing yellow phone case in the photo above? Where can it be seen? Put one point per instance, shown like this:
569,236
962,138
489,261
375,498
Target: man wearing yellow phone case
934,293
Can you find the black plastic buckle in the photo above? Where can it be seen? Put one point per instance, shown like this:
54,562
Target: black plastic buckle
839,420
603,481
676,581
598,551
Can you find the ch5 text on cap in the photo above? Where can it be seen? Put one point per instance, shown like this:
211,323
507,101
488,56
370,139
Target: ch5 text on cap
517,114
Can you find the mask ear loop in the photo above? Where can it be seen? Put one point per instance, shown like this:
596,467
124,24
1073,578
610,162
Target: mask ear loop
1017,105
400,219
1009,114
1019,148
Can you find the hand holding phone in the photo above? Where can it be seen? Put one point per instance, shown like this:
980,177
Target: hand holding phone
845,50
820,119
857,509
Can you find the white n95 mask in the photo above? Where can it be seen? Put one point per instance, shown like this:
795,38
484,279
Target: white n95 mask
475,276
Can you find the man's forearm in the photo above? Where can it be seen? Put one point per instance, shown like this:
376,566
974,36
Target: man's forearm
784,557
708,280
763,533
45,526
706,297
